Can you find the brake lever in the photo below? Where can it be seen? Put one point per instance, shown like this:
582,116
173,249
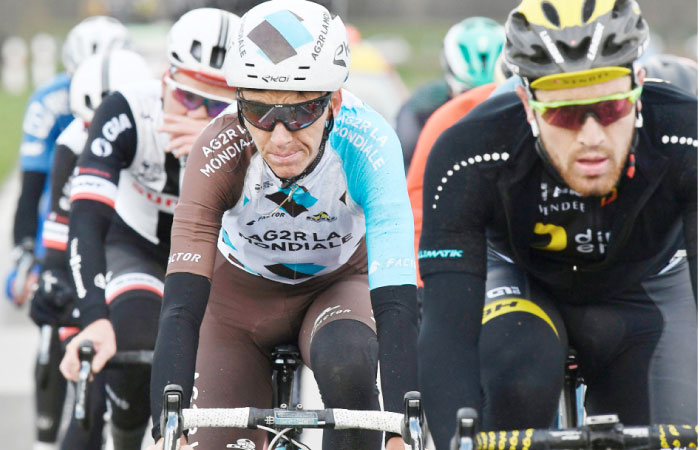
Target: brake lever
463,439
86,352
171,421
413,421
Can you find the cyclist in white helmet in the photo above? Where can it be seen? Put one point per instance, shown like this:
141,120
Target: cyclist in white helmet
46,116
123,196
54,300
293,226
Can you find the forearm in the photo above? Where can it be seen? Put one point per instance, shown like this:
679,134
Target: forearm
396,315
448,357
86,256
27,214
184,302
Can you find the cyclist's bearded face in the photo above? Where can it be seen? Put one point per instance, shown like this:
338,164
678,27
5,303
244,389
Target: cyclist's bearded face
590,159
287,152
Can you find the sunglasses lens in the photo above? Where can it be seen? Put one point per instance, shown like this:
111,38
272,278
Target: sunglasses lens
571,117
188,99
215,107
612,110
294,117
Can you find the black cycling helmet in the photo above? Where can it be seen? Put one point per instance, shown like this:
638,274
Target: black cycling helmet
679,71
548,37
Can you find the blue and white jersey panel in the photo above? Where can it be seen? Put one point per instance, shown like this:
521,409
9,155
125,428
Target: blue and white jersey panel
47,115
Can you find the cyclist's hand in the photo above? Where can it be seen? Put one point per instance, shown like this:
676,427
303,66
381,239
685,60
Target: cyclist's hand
101,333
183,131
53,300
159,445
395,443
20,293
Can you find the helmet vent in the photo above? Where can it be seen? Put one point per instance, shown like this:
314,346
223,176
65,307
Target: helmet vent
299,78
249,65
218,54
575,52
551,14
304,67
176,56
539,56
588,8
88,102
196,50
610,47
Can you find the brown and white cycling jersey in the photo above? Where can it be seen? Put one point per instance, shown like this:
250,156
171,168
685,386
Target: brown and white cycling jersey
231,200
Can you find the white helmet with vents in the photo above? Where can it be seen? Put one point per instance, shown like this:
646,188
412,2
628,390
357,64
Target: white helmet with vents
93,35
198,42
289,45
100,75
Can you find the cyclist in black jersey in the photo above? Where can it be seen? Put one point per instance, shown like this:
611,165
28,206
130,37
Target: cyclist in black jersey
123,196
564,215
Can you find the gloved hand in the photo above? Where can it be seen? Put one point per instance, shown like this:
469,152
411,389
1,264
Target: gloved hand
22,278
53,300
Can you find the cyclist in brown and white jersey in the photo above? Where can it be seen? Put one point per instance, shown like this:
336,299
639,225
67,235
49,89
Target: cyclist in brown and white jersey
293,226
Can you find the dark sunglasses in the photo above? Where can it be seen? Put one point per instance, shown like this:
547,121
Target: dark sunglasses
571,114
295,116
192,99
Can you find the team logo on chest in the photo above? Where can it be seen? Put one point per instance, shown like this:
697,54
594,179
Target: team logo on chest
321,217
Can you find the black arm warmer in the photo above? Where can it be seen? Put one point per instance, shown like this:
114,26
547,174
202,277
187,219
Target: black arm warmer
27,214
396,313
185,299
448,356
89,222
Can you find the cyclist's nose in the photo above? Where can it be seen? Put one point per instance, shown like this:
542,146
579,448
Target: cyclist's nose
280,135
592,133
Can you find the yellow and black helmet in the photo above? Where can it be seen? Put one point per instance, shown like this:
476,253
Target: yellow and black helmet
549,37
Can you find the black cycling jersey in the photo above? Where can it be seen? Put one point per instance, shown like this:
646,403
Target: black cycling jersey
483,173
123,168
485,187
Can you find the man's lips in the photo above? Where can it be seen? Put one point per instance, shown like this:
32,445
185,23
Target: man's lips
592,165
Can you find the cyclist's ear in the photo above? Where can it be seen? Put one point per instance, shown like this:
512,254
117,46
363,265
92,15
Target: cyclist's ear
336,101
641,76
523,96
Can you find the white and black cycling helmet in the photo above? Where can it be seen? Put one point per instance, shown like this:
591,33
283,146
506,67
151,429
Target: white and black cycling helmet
198,42
103,74
93,35
546,37
289,45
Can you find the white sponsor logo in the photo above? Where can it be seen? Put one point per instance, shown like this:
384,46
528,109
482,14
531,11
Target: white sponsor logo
74,263
595,42
100,147
588,241
110,130
243,444
376,265
182,256
102,280
551,48
503,290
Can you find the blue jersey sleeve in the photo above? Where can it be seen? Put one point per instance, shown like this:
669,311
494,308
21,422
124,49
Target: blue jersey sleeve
47,115
373,164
